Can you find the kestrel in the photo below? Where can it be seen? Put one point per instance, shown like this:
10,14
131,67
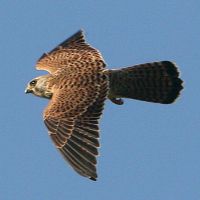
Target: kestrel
78,85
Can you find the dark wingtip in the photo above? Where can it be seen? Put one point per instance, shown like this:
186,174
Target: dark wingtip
93,179
78,36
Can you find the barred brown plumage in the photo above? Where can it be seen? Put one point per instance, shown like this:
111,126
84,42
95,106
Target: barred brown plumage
78,85
157,82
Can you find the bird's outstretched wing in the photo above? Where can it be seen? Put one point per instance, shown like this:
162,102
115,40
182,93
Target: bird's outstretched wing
72,120
74,54
77,103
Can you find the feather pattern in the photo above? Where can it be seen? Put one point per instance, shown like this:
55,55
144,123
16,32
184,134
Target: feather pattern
78,85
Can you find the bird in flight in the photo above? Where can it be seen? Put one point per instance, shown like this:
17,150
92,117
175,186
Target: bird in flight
78,84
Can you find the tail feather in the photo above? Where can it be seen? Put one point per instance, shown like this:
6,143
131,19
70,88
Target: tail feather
157,82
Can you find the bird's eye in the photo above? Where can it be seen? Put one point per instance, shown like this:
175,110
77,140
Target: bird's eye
33,82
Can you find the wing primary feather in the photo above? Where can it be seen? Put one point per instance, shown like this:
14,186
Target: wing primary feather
86,138
79,169
83,152
57,140
51,125
83,164
84,146
91,133
77,37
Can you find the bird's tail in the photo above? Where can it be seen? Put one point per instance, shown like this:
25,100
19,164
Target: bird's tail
157,82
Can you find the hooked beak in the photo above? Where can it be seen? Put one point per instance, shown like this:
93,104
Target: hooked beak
28,91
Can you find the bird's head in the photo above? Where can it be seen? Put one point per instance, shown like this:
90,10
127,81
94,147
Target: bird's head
40,87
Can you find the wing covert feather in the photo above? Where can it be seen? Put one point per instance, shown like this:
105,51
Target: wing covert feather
73,53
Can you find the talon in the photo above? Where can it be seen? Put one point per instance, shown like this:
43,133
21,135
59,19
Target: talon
118,101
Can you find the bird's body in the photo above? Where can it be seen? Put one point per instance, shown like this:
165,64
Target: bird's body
78,85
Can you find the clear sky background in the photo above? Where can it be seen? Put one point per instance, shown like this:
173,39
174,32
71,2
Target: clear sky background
148,151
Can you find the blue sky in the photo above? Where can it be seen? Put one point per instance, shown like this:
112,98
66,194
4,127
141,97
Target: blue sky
148,151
